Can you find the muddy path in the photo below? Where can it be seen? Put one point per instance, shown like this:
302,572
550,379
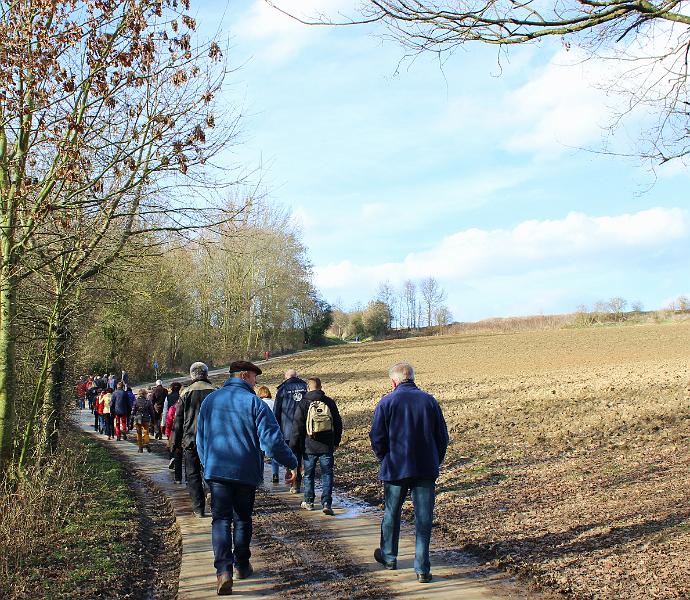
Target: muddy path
155,569
295,553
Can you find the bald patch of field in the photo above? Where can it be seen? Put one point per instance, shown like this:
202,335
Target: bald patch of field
570,449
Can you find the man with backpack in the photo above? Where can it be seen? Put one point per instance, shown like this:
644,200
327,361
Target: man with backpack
288,397
316,432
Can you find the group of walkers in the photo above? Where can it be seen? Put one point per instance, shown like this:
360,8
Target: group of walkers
223,436
117,410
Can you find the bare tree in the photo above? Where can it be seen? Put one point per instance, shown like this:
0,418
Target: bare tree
385,294
410,300
443,317
106,111
616,306
433,296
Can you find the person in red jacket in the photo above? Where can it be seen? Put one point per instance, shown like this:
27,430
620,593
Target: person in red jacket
99,411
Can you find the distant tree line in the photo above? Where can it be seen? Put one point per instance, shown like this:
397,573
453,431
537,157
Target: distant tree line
618,309
412,306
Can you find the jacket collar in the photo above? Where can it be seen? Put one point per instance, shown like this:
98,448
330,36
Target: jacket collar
237,382
407,384
291,380
315,395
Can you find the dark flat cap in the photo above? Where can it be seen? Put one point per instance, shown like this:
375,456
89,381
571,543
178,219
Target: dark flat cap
244,365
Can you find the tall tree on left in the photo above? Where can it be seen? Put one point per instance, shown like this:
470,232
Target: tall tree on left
105,105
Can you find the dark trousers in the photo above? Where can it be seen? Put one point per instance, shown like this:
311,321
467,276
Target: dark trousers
232,505
109,429
423,496
176,457
194,479
157,431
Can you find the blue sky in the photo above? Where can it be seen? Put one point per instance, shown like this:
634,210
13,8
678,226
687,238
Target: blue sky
481,173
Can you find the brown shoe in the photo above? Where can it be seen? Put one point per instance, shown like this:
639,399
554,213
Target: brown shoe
224,587
242,572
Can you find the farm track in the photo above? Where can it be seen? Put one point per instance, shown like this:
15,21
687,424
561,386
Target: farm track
296,554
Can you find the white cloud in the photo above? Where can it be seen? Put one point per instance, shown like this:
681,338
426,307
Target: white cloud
560,108
480,254
578,99
280,35
303,218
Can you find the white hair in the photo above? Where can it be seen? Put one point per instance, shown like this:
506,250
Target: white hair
401,371
290,373
198,370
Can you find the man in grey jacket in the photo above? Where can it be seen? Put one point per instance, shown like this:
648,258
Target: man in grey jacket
184,433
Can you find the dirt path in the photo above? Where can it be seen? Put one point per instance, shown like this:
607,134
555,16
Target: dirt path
307,554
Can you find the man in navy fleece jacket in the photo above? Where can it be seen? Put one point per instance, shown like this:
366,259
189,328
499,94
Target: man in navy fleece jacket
409,437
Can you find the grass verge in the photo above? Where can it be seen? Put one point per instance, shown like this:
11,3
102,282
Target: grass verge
66,527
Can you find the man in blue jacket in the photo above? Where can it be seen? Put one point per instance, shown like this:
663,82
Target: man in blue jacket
120,409
409,437
288,397
233,428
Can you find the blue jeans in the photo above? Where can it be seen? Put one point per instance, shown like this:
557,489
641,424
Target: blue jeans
326,462
231,506
423,496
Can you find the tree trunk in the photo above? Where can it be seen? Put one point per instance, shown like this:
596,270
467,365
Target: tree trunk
54,404
8,307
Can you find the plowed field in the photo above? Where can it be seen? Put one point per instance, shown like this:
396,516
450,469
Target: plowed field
570,449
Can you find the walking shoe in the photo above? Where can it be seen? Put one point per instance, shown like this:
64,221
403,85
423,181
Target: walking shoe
327,510
307,505
118,438
295,489
224,585
242,572
199,514
378,557
178,481
274,479
148,448
140,451
424,577
124,436
171,464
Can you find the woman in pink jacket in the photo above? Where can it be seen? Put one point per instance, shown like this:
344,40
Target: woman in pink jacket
175,457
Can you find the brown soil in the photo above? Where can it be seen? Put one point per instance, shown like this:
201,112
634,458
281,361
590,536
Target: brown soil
569,451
